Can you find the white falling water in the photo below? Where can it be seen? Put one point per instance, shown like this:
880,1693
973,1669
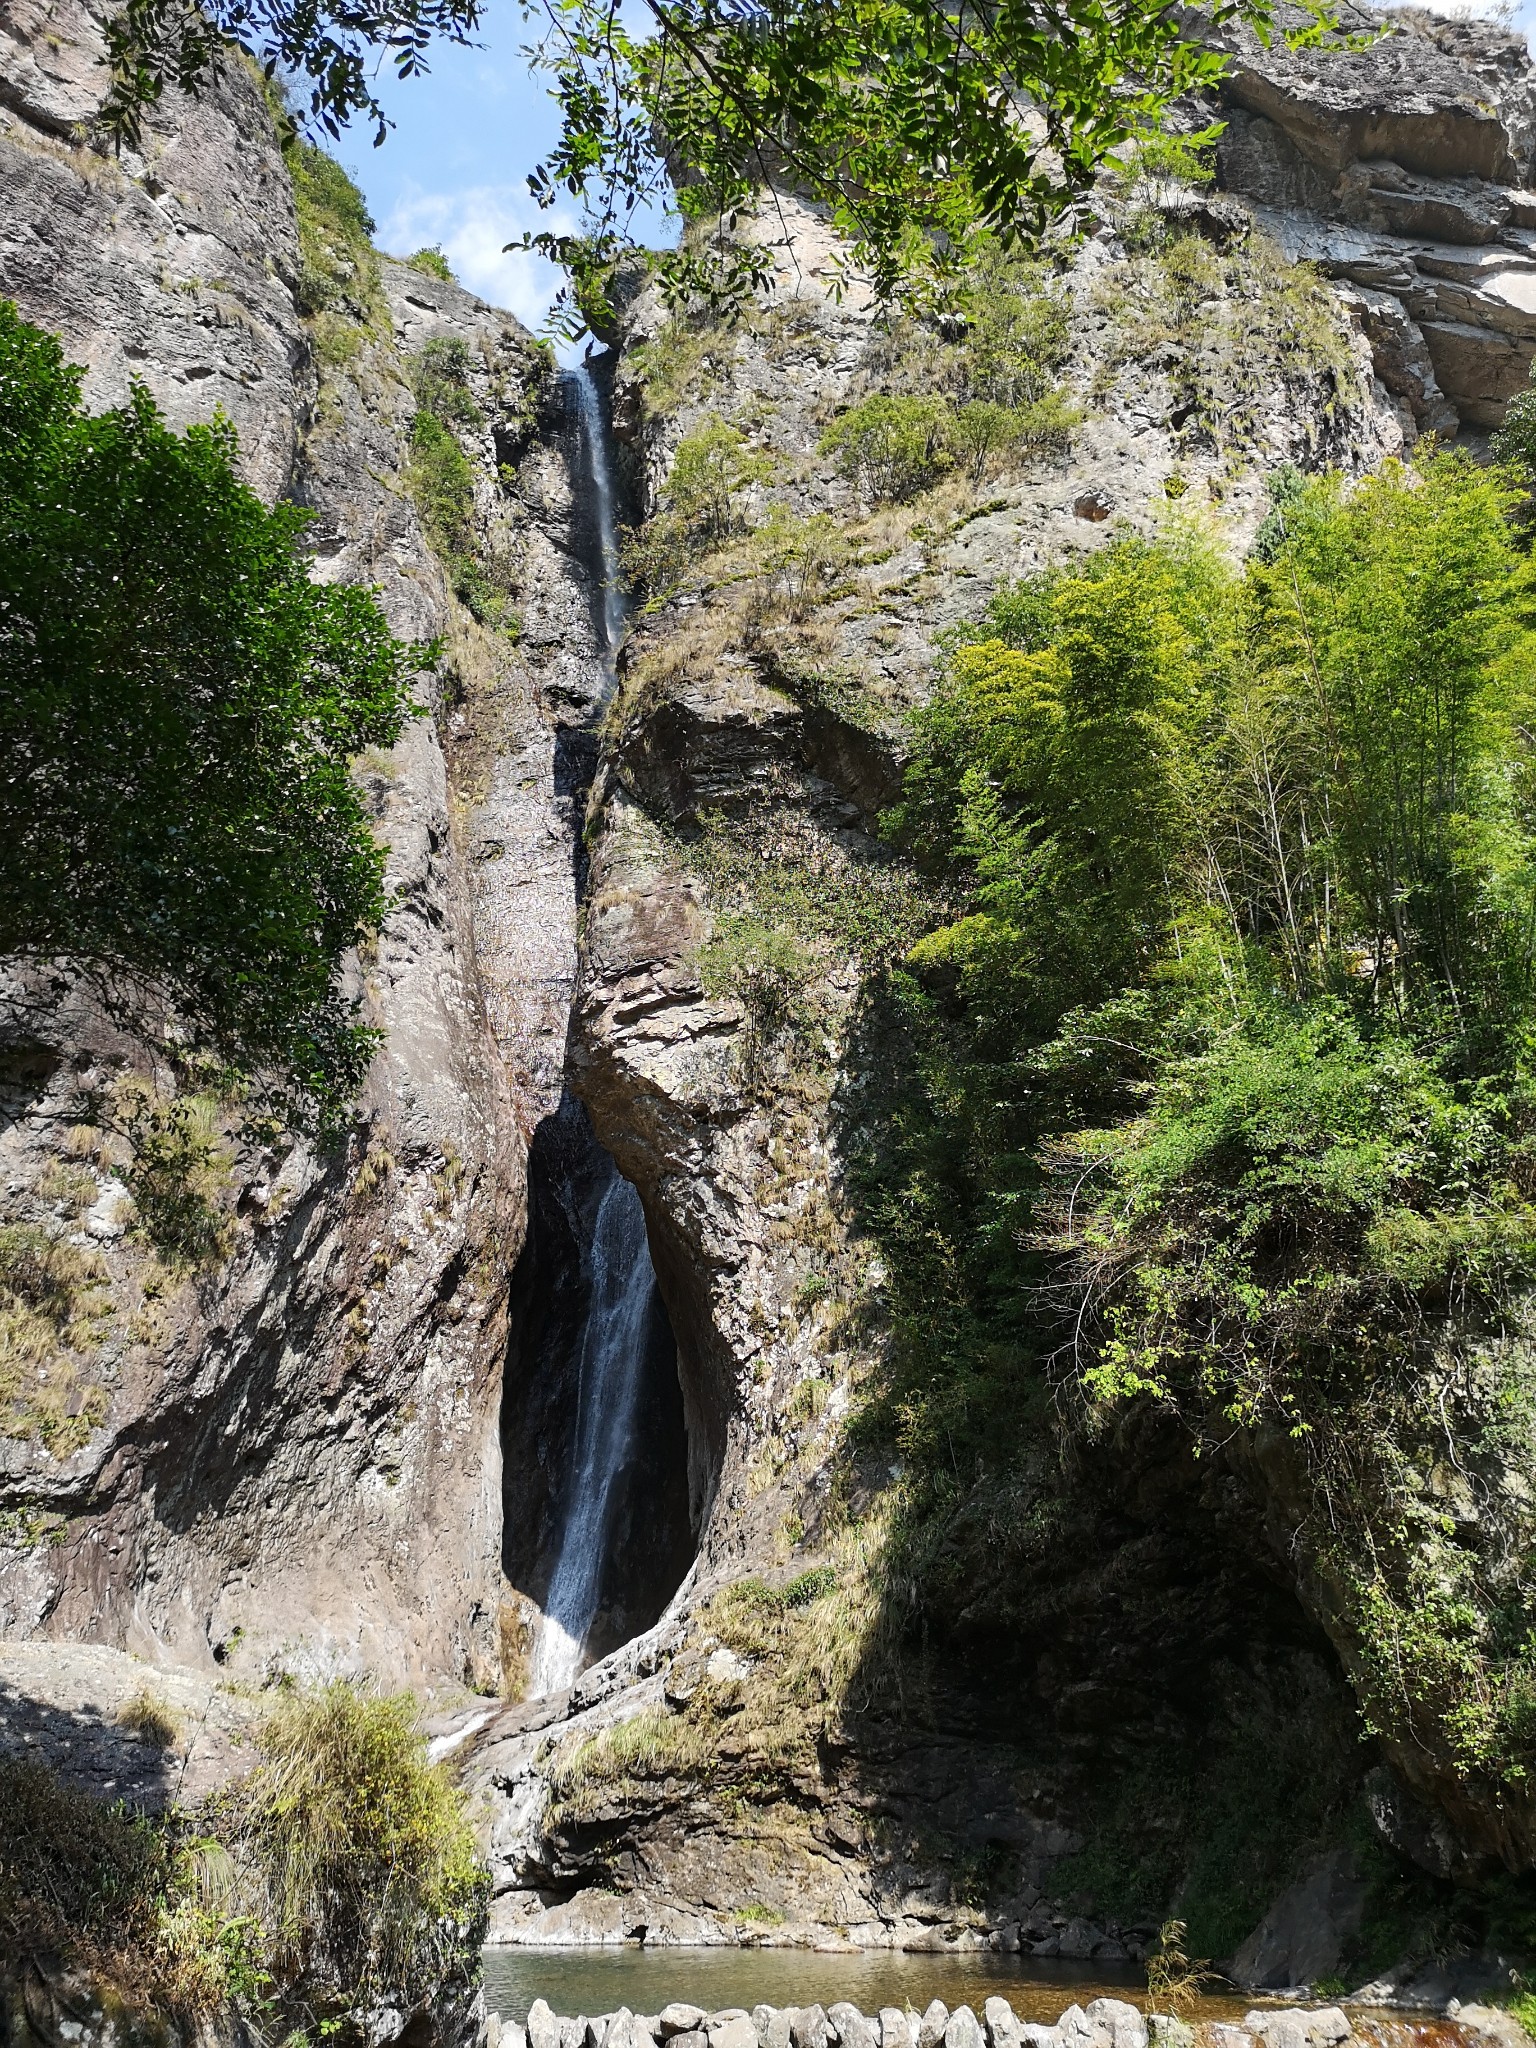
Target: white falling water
594,441
608,1388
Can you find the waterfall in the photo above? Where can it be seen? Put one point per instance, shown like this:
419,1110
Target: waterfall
613,1349
594,442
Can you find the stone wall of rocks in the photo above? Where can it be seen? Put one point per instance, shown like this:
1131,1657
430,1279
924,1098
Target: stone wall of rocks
1105,2023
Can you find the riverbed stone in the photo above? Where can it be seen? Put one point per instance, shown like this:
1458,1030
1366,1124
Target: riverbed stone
732,2029
772,2023
1078,2031
626,2031
1222,2034
1002,2023
808,2027
1169,2031
543,2026
1292,2027
853,2029
1126,2027
964,2029
672,2019
930,2028
896,2029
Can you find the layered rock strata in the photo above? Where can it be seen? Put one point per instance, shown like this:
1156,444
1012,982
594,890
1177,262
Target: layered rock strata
1403,169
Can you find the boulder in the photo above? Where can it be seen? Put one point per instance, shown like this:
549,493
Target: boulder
964,2029
1304,1934
1126,2027
1292,2027
772,2023
852,2028
1078,2031
732,2029
543,2027
1169,2031
930,2028
808,2027
1002,2023
1033,2034
896,2030
673,2019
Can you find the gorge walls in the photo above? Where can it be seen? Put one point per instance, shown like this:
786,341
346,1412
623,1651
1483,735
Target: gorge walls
644,912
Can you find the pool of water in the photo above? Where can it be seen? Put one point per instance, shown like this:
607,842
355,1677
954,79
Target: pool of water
596,1980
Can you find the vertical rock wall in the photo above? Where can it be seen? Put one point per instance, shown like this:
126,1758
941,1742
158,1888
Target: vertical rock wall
290,1459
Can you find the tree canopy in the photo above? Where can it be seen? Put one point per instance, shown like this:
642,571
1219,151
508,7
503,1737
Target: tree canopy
916,121
180,711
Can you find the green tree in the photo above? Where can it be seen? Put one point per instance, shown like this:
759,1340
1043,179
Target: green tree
903,116
182,704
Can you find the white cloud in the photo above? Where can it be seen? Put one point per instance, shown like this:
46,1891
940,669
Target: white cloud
473,227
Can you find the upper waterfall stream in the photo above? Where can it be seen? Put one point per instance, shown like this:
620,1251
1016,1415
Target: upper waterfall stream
594,441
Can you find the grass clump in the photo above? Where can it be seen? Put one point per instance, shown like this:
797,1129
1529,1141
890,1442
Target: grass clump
767,970
179,1174
431,262
149,1718
700,507
1173,1981
54,1301
361,1853
894,447
1236,330
987,396
339,1877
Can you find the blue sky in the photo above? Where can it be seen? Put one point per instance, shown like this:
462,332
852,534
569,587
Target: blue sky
453,169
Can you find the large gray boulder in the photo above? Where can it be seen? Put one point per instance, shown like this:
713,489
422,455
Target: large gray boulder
853,2029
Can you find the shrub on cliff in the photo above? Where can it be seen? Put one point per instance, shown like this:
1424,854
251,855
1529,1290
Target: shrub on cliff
182,705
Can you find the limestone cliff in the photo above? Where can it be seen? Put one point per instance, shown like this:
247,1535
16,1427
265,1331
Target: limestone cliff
750,1769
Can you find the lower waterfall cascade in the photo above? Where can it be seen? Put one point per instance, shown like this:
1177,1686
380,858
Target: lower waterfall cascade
613,1349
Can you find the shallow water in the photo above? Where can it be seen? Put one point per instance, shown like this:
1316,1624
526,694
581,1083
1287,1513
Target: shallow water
596,1980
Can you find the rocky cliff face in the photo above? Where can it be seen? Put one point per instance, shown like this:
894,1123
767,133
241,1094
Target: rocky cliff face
749,1769
333,1439
286,1454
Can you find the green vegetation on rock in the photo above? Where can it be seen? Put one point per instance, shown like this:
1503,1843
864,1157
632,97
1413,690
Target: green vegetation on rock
1212,1110
442,480
182,708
